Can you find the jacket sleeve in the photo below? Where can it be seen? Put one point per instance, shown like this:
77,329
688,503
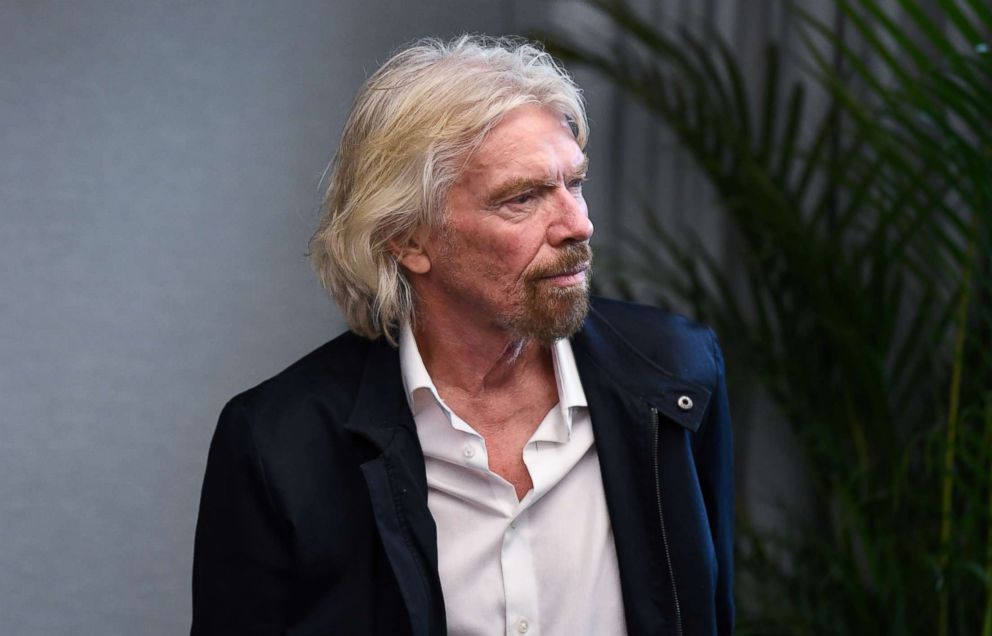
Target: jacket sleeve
715,463
241,558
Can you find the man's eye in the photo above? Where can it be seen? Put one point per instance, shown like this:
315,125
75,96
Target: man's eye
576,184
521,199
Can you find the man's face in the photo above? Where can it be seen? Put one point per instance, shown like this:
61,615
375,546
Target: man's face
513,252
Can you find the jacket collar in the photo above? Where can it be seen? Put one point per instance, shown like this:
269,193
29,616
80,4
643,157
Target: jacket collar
397,482
620,363
380,409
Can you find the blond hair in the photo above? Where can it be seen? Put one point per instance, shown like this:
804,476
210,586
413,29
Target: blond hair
412,128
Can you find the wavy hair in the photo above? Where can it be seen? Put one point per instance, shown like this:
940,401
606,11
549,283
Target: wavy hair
412,128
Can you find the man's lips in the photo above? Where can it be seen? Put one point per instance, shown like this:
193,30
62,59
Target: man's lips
570,276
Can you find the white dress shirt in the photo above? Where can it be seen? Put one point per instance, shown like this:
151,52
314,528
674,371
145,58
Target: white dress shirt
543,566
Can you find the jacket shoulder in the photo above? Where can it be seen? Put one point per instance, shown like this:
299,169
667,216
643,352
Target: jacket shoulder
671,341
319,387
646,318
291,429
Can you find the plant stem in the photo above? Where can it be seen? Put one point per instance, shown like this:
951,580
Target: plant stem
987,623
946,504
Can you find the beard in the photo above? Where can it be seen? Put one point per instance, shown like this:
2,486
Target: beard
547,312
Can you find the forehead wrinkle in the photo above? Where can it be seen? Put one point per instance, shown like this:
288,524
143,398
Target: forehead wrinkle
516,184
548,174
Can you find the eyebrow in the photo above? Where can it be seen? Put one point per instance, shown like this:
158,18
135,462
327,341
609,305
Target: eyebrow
518,185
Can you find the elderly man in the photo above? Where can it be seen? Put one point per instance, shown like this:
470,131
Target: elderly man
486,451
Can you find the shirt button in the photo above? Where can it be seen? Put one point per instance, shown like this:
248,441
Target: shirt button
469,452
522,625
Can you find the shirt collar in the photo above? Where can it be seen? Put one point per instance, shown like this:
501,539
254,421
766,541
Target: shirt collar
570,393
415,375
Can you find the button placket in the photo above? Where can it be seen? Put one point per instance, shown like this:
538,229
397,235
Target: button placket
519,578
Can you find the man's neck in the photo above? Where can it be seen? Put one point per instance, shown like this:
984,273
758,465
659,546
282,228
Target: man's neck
477,361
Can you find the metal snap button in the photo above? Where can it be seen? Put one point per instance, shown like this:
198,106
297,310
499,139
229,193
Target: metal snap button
685,402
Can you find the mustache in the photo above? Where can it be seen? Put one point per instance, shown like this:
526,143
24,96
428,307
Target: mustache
569,259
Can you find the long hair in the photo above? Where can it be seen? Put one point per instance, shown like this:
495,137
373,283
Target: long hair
411,130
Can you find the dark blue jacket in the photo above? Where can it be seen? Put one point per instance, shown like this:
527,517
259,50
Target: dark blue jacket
314,519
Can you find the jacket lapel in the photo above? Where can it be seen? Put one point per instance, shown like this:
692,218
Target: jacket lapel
622,387
397,484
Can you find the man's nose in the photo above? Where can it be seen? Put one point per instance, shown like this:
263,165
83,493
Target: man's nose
571,221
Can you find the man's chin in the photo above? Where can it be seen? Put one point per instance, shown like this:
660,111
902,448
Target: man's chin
555,313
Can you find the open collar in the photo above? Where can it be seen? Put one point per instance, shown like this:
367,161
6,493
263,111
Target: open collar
419,387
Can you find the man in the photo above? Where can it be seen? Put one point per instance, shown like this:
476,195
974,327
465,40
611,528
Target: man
486,451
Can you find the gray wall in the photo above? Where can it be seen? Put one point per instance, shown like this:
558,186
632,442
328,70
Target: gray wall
158,184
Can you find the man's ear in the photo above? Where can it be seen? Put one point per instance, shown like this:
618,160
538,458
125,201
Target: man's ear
411,254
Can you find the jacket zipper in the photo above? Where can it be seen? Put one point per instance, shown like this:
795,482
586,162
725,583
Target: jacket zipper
664,532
